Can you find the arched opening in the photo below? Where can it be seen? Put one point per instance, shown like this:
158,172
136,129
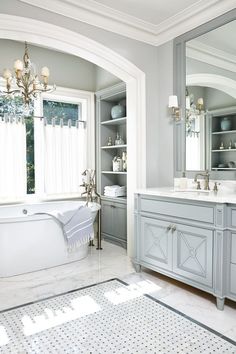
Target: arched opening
55,37
221,83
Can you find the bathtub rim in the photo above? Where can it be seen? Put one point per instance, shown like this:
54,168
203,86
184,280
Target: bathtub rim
35,217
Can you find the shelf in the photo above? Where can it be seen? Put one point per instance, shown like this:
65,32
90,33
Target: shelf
224,132
223,150
116,121
105,197
114,147
114,173
223,168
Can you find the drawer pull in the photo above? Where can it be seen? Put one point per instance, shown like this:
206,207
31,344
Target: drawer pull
169,227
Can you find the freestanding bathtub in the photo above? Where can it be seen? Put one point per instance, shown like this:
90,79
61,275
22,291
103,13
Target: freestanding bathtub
31,242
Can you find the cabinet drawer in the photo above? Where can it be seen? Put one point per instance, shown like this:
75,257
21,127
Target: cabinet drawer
233,248
179,210
233,278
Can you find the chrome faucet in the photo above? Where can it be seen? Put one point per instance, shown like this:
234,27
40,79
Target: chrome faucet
90,186
206,176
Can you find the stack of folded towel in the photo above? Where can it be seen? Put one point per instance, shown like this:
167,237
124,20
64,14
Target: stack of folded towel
115,191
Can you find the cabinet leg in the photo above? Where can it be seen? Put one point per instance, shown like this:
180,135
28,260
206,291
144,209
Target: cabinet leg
220,303
137,267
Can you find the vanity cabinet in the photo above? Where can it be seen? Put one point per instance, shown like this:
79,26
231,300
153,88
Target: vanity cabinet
170,245
187,240
114,221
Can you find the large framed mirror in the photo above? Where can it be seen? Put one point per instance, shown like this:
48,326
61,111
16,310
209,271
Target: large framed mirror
205,83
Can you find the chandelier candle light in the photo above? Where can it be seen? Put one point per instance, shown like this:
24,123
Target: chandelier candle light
26,81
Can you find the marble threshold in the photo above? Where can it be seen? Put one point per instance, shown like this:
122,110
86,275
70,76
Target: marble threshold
112,262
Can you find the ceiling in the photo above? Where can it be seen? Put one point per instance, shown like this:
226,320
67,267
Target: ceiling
152,11
150,21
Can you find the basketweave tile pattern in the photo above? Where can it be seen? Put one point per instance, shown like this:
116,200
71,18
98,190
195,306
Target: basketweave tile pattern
105,318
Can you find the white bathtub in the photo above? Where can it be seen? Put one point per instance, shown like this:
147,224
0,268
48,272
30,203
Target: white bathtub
33,242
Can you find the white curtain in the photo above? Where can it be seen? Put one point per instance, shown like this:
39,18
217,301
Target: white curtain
60,157
13,175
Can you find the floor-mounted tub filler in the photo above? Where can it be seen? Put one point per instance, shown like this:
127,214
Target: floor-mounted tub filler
31,241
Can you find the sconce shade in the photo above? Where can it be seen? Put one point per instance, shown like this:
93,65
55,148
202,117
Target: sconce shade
200,101
173,101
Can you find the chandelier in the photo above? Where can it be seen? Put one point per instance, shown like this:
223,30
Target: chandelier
194,112
26,82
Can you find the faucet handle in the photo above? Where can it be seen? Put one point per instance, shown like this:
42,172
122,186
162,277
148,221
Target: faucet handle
215,188
198,185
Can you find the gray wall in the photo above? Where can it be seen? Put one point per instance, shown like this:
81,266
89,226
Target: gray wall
142,55
164,132
215,99
195,66
105,79
65,70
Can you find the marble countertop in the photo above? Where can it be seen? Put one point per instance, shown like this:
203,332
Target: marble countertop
221,196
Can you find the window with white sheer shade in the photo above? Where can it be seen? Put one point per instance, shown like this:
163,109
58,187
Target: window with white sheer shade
63,146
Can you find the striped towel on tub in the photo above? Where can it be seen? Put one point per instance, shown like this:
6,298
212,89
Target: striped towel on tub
77,225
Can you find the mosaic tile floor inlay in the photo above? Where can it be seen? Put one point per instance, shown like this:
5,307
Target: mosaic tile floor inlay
109,317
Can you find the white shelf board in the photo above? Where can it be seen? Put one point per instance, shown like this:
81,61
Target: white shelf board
224,132
116,121
223,150
124,198
114,146
223,168
114,173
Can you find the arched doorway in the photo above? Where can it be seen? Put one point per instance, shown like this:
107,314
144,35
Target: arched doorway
58,38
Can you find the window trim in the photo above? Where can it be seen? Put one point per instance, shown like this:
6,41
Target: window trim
68,95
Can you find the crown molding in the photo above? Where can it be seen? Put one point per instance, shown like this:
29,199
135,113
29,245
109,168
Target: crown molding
93,13
210,55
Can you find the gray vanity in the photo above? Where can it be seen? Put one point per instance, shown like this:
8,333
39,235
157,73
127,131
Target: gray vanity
188,237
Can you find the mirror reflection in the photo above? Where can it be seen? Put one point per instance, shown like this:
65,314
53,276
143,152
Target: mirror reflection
211,100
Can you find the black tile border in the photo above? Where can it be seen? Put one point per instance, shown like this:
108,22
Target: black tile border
218,334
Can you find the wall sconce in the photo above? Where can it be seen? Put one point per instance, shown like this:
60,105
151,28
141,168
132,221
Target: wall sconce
175,109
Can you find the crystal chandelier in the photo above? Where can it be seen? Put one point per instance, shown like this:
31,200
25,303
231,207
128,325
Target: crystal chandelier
26,82
194,112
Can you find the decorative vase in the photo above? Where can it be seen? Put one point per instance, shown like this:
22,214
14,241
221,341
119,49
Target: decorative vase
118,111
225,123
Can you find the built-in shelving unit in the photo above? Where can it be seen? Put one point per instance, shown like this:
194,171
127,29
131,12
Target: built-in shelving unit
222,146
114,210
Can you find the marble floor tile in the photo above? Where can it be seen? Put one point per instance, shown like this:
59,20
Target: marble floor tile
109,263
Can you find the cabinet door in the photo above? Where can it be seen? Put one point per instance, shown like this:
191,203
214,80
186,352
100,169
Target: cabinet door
106,218
156,243
120,221
192,253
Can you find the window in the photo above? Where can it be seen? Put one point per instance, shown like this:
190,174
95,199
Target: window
55,149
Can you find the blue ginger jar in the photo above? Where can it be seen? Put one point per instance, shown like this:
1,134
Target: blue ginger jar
225,124
118,111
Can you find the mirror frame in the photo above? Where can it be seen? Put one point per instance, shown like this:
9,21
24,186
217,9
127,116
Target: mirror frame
179,86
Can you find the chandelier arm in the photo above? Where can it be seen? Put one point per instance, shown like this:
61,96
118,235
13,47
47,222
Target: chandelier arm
10,92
